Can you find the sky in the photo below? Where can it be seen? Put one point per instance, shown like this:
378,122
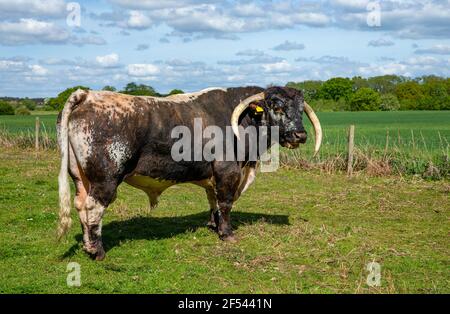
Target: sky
49,45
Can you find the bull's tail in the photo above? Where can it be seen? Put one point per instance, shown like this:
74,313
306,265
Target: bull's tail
63,180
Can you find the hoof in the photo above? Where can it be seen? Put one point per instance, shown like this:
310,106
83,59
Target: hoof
212,226
100,256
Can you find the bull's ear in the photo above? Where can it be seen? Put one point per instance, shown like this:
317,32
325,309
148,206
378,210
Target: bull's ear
256,108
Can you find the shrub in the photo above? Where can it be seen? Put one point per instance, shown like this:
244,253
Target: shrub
329,105
365,99
28,103
22,111
6,109
389,102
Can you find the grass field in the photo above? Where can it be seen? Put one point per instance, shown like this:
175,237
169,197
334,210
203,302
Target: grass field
425,130
403,142
299,232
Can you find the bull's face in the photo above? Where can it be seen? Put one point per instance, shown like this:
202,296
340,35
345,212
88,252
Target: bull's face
284,107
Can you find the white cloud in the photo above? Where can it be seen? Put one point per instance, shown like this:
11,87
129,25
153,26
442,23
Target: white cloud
289,45
88,40
32,8
38,70
11,65
138,20
250,53
277,67
436,49
108,61
30,31
142,70
152,4
381,42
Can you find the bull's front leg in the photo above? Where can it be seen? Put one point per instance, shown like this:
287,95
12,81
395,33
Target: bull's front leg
227,176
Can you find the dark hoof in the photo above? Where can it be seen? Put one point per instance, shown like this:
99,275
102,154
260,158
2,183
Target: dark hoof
212,226
100,255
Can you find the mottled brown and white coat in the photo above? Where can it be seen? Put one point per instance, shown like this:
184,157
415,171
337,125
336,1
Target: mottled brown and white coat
108,138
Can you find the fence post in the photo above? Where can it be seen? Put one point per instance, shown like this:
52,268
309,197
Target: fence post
351,145
36,134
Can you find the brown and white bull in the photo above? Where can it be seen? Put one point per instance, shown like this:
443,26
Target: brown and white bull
108,138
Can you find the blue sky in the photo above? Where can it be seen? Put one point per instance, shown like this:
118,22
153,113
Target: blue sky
192,45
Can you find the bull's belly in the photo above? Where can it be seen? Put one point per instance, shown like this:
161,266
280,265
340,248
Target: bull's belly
157,186
148,183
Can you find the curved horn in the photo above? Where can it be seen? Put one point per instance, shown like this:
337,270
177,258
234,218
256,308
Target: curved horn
240,109
317,127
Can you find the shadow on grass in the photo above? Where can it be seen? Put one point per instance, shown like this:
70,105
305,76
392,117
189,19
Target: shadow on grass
154,228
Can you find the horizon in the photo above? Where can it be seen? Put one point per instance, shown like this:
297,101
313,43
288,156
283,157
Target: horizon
192,45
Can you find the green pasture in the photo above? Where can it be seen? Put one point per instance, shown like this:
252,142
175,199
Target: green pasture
298,232
427,130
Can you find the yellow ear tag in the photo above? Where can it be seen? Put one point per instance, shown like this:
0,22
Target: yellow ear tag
259,109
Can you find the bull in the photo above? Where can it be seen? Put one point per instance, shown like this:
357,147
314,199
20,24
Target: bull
107,138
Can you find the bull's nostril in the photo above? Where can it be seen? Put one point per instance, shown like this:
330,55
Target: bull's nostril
300,134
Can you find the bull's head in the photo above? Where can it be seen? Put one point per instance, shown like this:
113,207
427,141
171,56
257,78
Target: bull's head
283,107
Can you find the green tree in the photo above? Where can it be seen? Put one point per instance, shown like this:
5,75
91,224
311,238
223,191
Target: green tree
336,88
176,91
389,102
310,89
410,94
435,93
359,82
59,101
139,90
365,99
109,88
385,84
6,109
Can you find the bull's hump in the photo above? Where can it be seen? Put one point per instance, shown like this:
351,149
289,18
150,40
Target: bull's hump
191,96
111,101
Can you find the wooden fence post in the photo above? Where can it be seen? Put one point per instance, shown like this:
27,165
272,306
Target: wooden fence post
36,134
351,145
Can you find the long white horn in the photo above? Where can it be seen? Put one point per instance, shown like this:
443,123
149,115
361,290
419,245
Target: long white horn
240,109
317,127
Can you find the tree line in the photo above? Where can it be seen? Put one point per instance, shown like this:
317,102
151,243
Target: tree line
387,92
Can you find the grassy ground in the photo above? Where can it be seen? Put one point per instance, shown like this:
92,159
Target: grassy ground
299,232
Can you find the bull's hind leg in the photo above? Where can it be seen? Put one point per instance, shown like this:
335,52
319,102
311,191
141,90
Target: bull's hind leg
99,197
213,222
81,193
209,186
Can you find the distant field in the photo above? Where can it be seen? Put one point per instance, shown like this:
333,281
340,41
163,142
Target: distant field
426,130
403,142
25,124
